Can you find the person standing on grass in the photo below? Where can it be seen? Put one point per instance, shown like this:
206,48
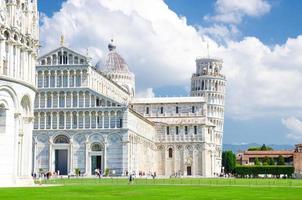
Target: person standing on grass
130,178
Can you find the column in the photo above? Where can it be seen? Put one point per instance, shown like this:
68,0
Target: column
96,119
68,75
39,100
109,117
74,78
58,117
103,123
115,119
65,100
71,156
39,120
105,155
84,100
87,158
65,115
48,79
78,99
55,74
81,77
51,117
90,122
71,120
89,100
43,81
50,167
58,97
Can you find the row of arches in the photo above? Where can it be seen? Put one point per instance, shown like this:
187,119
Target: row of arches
214,98
208,84
61,78
78,120
62,99
214,111
62,58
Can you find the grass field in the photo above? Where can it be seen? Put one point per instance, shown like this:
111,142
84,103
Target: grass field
160,189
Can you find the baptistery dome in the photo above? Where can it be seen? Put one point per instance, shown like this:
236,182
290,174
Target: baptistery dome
117,69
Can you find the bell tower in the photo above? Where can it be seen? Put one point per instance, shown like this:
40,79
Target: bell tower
209,82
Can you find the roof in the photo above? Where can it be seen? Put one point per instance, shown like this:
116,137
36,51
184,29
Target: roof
115,62
282,152
167,100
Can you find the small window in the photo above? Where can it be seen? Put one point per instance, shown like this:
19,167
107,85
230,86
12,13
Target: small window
170,152
195,130
147,110
186,130
176,109
168,130
176,130
161,110
193,109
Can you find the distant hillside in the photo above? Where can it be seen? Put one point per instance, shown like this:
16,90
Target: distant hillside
242,147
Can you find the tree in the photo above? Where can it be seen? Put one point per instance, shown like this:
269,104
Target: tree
265,161
280,160
265,148
257,161
228,161
271,161
260,148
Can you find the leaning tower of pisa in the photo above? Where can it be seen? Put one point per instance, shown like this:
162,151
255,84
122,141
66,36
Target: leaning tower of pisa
209,82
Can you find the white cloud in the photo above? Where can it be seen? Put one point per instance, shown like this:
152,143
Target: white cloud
161,48
232,11
295,127
148,93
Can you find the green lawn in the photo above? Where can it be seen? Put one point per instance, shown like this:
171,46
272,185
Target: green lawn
161,189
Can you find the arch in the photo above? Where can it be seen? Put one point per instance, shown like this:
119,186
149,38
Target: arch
61,139
96,146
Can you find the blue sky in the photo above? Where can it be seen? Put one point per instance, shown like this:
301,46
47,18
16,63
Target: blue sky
274,26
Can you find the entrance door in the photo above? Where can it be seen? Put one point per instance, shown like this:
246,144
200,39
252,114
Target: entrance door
61,159
96,163
189,170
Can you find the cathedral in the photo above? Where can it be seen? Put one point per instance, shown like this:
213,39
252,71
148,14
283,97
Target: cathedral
18,55
60,113
88,117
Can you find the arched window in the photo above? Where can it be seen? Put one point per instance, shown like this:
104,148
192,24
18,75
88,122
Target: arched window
2,118
96,147
61,139
170,152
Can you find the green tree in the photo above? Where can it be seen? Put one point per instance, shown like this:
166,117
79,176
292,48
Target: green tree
280,160
228,161
265,161
271,161
257,161
265,148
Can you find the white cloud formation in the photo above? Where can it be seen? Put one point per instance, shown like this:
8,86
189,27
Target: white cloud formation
295,127
161,48
148,93
232,11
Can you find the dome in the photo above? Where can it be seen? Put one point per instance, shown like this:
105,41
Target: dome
115,62
99,66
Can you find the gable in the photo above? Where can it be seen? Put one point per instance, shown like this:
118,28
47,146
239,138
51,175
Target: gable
63,56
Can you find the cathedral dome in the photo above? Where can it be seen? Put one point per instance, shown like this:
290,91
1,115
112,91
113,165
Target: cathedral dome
115,62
